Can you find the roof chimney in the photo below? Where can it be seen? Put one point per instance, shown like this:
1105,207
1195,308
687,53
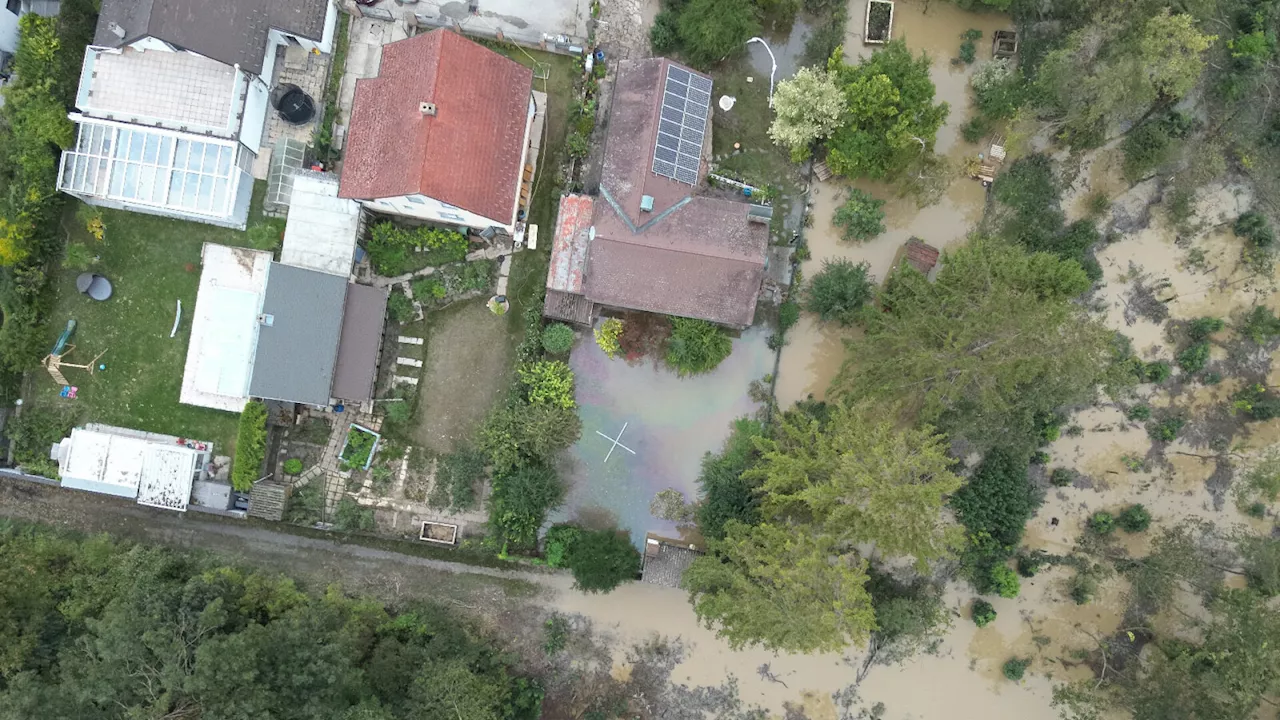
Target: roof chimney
427,108
116,30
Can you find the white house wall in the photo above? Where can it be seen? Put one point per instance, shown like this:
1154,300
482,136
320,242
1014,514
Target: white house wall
8,31
524,154
256,103
427,208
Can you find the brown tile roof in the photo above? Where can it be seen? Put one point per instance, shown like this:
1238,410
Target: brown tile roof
626,275
633,131
665,563
468,154
362,322
692,256
920,256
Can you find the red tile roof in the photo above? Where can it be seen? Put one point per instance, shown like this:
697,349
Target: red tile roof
468,154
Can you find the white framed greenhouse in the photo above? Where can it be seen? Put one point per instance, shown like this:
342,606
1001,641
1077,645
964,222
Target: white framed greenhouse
162,172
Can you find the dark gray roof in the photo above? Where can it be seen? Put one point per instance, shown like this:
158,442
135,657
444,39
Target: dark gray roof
229,31
362,323
298,342
664,563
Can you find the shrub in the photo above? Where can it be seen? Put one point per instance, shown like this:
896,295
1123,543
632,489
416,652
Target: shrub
696,346
557,542
1083,586
788,315
429,288
1256,509
839,290
1029,564
1139,412
520,501
711,30
982,613
266,234
548,382
998,500
1134,519
351,517
1005,581
1201,328
521,433
1102,523
293,466
1015,668
1156,372
251,446
607,336
1194,358
1260,325
968,51
78,256
1166,430
34,431
400,308
1062,477
465,277
601,560
1257,402
1253,226
860,218
358,449
557,338
577,146
391,246
664,36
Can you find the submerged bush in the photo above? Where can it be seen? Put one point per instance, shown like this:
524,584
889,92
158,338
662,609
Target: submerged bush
1134,519
860,217
1005,581
1102,523
839,290
982,613
696,346
1015,668
1194,358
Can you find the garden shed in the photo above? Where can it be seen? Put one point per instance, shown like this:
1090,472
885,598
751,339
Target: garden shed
298,333
156,470
665,560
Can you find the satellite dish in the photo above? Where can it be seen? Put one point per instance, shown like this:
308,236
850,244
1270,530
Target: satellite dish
726,102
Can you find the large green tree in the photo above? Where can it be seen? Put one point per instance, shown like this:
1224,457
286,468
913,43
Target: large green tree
726,493
786,588
994,343
861,479
711,30
890,118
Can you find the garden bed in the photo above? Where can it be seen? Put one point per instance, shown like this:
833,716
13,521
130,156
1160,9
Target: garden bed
438,532
362,443
879,23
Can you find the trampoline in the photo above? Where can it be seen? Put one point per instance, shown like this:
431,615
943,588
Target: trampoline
94,285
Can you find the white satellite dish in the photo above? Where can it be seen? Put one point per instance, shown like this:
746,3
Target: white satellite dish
726,102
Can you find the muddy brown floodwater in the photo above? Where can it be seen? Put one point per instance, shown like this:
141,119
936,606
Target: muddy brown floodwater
814,352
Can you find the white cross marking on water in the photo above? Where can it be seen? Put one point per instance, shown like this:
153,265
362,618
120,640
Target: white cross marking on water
615,441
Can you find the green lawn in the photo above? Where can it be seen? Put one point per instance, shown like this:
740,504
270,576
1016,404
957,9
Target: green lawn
152,262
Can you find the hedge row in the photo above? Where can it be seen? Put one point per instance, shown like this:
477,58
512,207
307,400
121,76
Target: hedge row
34,129
251,446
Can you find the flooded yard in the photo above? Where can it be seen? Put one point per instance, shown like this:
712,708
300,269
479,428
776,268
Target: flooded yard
671,422
814,353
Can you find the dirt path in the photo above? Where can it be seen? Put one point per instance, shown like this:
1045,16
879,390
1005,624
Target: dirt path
635,613
464,374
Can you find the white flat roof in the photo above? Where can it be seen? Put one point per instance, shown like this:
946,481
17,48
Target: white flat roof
224,327
174,90
156,474
322,227
101,462
167,474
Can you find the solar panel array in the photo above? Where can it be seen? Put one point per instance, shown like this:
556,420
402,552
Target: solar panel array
686,103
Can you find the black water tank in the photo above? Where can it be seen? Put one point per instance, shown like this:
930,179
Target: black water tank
295,106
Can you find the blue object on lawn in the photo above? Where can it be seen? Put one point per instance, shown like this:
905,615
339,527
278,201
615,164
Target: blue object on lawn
339,407
599,56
